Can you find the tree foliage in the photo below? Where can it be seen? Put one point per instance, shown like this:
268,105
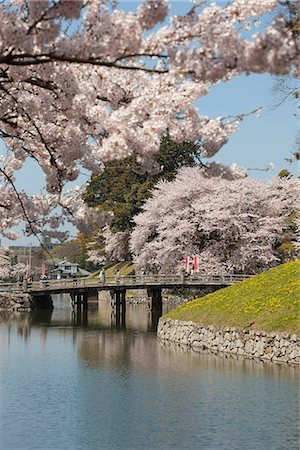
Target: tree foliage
8,267
234,225
122,187
82,82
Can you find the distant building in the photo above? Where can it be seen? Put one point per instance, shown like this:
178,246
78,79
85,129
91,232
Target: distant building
67,269
47,243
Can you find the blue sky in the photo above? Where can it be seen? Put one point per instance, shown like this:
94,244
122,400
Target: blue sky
259,141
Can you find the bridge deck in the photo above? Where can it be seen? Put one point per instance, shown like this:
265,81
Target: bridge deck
126,282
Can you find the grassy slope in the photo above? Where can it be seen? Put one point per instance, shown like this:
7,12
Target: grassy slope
125,268
268,301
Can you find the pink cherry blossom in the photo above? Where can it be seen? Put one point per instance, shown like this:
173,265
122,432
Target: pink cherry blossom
234,223
83,82
7,270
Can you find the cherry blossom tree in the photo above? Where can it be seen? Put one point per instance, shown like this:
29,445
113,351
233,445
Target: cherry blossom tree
234,225
83,82
116,245
5,264
7,270
107,246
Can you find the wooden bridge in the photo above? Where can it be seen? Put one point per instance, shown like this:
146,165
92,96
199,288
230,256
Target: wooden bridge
81,289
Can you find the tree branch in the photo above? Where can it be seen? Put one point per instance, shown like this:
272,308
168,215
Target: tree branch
28,60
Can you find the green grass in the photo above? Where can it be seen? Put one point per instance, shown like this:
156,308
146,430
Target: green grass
268,301
125,268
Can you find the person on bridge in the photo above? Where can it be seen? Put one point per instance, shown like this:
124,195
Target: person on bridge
117,275
183,275
101,276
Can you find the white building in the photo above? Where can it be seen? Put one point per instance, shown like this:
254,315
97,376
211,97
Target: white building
67,269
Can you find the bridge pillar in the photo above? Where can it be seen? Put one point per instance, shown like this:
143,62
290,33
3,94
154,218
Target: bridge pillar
123,299
85,301
118,304
78,302
118,298
81,300
153,318
155,298
72,303
118,319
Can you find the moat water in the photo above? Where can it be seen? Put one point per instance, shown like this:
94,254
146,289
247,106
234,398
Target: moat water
76,382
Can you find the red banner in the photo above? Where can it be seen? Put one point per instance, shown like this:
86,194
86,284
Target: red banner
195,264
187,264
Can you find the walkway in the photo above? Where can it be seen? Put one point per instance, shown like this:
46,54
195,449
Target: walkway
83,289
131,282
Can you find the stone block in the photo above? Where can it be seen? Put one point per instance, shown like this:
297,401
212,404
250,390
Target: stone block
268,356
281,343
249,347
259,348
239,343
283,359
293,354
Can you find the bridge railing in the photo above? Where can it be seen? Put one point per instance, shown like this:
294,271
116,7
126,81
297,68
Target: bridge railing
138,280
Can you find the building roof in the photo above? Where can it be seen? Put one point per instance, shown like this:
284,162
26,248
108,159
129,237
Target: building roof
65,262
79,271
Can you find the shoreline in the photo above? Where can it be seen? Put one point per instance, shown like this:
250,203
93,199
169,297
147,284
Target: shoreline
251,344
12,301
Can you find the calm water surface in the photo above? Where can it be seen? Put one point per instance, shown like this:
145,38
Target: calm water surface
71,382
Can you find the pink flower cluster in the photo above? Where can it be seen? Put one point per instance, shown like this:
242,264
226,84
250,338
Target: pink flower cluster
83,82
7,270
234,223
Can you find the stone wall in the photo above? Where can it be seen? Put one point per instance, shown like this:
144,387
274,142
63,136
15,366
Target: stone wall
276,347
139,296
15,302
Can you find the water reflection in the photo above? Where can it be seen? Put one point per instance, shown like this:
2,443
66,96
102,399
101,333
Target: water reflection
122,338
137,317
143,353
171,353
107,383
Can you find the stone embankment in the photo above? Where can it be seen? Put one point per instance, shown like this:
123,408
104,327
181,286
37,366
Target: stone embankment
275,346
11,301
139,296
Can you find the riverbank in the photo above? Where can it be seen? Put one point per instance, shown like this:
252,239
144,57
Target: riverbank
256,318
22,302
272,346
12,301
